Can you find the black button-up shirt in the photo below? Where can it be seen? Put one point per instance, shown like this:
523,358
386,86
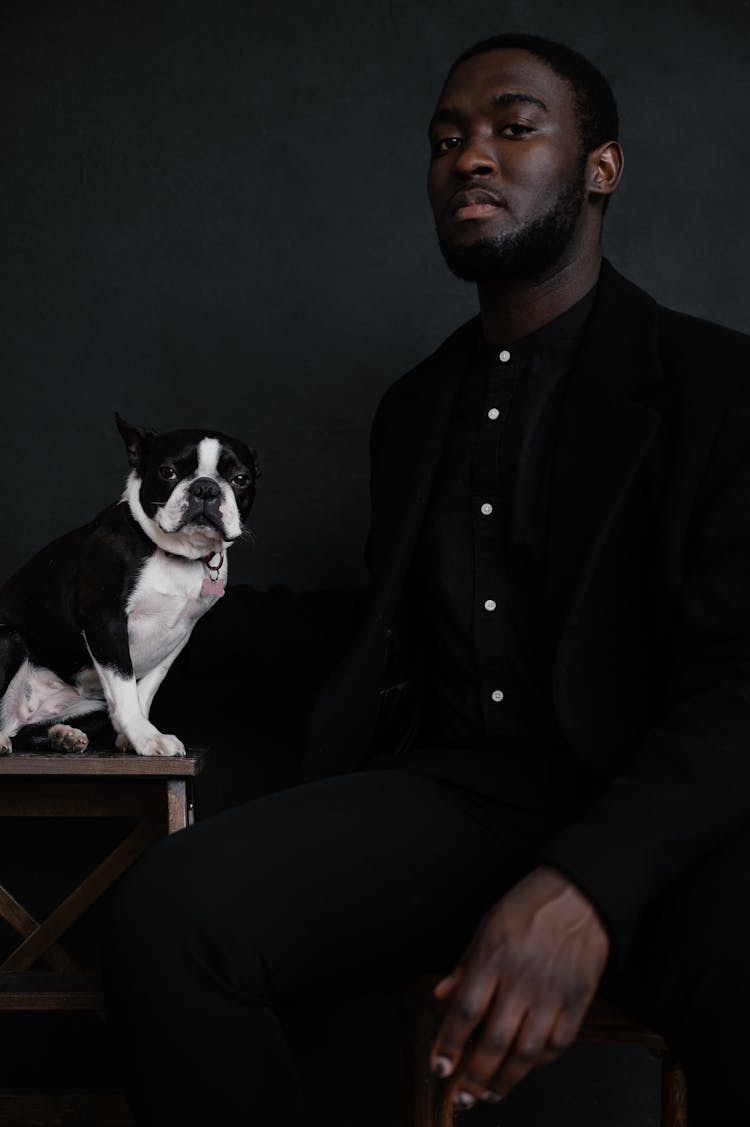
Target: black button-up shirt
478,579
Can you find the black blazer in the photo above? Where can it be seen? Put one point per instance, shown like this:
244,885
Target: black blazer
649,562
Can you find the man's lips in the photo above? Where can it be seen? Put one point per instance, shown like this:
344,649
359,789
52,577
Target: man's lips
475,203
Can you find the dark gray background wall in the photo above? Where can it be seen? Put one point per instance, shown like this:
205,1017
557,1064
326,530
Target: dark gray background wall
213,212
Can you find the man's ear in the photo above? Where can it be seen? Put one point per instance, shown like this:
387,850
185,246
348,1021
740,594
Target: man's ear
137,441
605,165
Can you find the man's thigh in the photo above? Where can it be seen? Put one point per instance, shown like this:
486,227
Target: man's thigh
331,885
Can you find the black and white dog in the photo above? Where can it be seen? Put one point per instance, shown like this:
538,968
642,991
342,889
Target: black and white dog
95,620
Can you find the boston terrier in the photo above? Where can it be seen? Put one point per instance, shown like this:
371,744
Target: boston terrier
95,620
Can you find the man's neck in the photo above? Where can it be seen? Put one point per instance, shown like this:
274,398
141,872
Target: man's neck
510,313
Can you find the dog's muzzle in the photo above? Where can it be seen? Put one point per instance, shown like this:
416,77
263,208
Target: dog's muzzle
204,504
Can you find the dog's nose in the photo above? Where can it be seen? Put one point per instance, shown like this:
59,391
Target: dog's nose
205,489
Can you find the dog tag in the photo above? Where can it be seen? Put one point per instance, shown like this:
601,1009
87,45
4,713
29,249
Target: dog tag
212,587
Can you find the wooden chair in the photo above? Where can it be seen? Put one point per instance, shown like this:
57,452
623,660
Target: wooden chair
431,1105
39,974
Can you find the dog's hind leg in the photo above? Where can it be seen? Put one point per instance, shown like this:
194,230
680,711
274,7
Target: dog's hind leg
13,654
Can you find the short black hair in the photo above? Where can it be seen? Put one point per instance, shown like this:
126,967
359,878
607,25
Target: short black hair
595,104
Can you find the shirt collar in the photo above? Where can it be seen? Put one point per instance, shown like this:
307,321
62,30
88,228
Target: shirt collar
563,334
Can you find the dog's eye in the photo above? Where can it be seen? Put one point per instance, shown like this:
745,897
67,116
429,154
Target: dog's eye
169,473
240,480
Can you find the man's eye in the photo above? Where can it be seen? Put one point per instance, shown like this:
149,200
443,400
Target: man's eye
444,144
515,129
169,473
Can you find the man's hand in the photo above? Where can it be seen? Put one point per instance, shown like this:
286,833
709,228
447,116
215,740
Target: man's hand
522,988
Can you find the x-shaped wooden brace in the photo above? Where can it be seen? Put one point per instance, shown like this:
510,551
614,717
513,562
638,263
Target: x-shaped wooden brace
41,939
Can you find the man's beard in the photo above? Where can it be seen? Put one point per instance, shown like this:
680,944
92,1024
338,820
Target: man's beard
529,253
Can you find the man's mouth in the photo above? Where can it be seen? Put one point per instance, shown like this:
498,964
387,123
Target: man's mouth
475,203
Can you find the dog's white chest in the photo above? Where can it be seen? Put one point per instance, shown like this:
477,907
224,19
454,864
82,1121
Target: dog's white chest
163,608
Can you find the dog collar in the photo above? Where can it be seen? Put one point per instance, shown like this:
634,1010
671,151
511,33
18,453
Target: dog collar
213,569
213,586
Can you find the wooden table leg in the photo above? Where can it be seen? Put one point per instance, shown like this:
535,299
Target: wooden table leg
177,806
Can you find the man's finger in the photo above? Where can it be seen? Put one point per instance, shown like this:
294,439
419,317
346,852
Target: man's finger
556,1030
495,1040
530,1049
445,987
466,1007
565,1029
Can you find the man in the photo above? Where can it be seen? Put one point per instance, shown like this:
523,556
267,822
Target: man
532,767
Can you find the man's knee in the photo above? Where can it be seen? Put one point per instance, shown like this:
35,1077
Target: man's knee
152,899
169,926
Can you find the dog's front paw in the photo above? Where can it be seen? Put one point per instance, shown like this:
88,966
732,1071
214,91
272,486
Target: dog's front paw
144,739
64,738
160,744
6,747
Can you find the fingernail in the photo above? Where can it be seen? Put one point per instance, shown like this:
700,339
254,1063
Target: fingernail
491,1098
464,1099
443,1067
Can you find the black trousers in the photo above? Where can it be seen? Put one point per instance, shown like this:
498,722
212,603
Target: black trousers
353,884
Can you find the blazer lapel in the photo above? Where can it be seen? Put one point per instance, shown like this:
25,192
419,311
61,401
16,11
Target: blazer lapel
608,424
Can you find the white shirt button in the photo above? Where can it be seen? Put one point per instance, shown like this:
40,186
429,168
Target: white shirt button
493,413
490,604
497,696
504,356
486,509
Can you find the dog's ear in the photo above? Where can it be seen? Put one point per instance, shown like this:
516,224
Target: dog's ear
136,439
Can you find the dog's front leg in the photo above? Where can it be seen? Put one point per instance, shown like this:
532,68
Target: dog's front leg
107,643
150,682
123,702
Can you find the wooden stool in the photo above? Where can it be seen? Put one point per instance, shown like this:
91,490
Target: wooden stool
430,1103
159,792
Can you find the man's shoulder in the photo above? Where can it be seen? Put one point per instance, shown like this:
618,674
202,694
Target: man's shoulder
706,365
700,339
682,337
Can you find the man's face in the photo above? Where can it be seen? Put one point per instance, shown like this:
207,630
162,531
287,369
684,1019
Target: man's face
506,178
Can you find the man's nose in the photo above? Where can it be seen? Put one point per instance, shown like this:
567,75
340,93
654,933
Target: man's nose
204,489
477,157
